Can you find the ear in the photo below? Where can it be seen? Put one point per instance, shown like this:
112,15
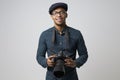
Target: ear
66,15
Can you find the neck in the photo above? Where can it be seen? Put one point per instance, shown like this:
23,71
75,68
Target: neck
60,27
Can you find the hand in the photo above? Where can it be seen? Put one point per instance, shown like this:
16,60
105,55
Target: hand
70,62
50,62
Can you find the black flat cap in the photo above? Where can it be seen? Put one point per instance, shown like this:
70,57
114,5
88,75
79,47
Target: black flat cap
58,5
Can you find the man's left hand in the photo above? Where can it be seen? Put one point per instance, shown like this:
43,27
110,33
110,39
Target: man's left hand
70,62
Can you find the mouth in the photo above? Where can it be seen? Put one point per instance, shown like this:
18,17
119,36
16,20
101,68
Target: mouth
59,19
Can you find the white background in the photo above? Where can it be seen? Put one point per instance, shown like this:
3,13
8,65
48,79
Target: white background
22,21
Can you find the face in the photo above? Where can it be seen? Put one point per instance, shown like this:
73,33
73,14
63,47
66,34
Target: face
59,16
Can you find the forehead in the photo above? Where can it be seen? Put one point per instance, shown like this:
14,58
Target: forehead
58,9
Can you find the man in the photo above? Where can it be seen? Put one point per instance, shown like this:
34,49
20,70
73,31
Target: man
64,39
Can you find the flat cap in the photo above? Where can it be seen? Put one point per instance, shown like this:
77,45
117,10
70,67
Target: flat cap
58,5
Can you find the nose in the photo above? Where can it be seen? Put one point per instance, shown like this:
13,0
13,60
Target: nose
58,14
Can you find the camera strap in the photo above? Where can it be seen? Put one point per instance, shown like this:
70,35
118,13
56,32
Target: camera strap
67,36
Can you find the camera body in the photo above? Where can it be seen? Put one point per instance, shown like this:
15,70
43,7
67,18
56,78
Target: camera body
59,69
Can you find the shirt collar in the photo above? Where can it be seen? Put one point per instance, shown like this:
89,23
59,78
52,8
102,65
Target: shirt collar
62,32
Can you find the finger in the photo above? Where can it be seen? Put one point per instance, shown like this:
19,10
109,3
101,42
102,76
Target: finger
50,63
51,57
68,60
68,64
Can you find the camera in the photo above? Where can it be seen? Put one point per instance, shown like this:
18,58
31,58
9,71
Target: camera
59,69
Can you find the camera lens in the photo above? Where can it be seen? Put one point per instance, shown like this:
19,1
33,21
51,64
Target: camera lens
59,69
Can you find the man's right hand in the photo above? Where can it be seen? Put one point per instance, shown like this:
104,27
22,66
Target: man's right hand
50,61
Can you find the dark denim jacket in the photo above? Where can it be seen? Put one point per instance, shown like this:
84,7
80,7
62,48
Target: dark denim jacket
52,42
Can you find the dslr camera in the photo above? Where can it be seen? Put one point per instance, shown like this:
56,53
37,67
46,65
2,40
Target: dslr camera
59,68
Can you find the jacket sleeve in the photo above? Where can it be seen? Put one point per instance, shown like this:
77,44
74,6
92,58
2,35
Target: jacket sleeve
41,51
82,51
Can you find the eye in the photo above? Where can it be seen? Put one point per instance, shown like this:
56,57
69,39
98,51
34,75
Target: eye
61,13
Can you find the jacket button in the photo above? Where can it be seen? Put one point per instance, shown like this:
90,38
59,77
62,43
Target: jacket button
60,43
